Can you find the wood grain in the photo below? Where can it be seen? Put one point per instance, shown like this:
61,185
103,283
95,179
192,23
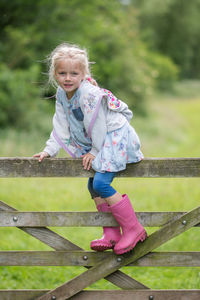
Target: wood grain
111,264
66,167
81,219
90,258
108,295
59,243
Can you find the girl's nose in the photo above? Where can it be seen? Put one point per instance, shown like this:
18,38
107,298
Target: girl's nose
67,77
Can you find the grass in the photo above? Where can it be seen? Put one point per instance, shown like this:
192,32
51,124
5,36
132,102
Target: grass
171,129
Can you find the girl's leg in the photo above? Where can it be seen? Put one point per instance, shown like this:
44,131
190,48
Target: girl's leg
111,235
132,230
122,210
94,195
113,199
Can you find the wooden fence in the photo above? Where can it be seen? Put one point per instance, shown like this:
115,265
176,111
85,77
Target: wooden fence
106,264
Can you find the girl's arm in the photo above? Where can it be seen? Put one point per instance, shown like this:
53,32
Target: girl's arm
60,136
60,126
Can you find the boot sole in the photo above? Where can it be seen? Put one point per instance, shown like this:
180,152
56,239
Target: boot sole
140,238
102,246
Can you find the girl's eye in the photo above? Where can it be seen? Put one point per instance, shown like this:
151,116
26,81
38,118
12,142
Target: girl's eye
72,73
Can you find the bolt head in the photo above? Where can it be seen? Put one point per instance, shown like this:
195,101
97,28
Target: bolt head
151,297
53,298
119,259
85,257
15,219
184,222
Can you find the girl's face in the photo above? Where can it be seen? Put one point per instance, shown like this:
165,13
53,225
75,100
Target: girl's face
69,75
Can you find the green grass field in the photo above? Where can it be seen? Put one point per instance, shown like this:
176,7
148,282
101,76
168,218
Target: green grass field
171,129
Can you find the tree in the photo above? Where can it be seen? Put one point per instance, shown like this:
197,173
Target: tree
109,29
172,28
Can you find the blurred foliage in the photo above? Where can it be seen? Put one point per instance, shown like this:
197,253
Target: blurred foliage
130,41
164,71
20,106
16,94
172,28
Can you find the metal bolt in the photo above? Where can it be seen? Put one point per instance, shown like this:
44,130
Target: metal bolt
53,298
119,259
85,257
151,297
184,222
15,219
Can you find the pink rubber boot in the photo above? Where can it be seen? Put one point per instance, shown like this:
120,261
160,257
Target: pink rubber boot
111,235
132,230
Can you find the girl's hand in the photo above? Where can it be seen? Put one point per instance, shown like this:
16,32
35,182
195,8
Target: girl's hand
41,155
87,160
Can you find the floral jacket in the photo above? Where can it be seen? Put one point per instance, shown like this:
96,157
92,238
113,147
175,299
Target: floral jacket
102,111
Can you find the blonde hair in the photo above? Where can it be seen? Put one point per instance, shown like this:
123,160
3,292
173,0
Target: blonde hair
68,51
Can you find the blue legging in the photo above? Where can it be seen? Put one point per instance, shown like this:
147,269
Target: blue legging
99,186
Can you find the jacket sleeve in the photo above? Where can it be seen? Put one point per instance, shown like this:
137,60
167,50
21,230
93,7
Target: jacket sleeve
52,147
60,135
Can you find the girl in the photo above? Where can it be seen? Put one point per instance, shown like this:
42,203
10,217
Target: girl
91,123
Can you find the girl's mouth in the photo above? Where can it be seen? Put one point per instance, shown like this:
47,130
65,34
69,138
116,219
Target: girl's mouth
68,85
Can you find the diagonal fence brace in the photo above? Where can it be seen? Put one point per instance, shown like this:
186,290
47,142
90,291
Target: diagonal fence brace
110,265
59,243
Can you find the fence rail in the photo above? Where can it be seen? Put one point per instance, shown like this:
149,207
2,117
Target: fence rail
98,264
60,167
81,219
108,295
89,258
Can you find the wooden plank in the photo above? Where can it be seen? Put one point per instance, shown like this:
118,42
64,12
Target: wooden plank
108,295
43,234
90,258
66,167
159,218
21,294
59,243
111,264
138,295
80,219
58,219
168,259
